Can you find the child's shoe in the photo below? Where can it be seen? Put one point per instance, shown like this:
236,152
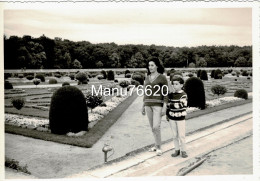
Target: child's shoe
184,154
176,153
158,152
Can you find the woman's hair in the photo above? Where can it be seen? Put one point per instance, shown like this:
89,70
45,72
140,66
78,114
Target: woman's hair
157,62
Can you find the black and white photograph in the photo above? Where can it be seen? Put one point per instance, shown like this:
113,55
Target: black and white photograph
158,90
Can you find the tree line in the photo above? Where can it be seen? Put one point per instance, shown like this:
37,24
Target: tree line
46,53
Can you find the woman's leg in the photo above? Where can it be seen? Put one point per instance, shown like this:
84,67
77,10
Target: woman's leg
174,129
157,125
149,113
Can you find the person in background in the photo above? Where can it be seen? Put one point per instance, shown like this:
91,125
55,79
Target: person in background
155,99
175,114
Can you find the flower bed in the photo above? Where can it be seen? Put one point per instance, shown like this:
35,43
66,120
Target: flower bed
41,124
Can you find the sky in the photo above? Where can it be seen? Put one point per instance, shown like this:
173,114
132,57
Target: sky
177,27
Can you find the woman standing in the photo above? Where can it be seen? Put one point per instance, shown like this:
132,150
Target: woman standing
155,99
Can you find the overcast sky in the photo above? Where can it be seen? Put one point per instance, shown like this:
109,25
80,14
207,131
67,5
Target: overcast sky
159,26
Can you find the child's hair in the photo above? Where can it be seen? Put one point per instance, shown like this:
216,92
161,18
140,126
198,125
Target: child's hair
179,79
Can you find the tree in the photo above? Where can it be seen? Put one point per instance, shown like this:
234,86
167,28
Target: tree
76,64
67,59
99,64
201,62
240,62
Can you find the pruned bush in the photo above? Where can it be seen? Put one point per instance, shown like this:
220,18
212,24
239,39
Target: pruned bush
139,77
104,73
241,93
127,72
218,90
128,75
203,75
8,85
99,77
18,102
41,77
230,70
110,75
248,78
233,73
198,73
36,82
135,83
93,100
124,83
225,72
72,76
190,75
194,89
7,75
115,80
212,74
82,78
218,74
30,77
53,81
68,111
244,73
169,72
58,75
65,84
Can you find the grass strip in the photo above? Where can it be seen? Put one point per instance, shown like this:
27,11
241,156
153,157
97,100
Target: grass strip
87,140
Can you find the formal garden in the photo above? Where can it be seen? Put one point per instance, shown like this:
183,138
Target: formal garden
60,106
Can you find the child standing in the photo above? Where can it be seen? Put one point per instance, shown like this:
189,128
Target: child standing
176,112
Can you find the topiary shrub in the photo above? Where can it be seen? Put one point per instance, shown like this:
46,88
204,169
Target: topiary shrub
8,85
115,80
233,73
110,75
203,75
134,82
248,78
72,76
30,77
65,84
82,78
99,77
218,74
57,74
244,73
104,73
7,75
53,81
128,75
241,93
18,102
68,111
124,83
194,89
212,73
36,81
127,72
190,75
41,77
93,100
139,77
198,73
218,89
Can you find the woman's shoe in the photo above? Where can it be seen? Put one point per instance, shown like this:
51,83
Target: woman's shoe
158,152
184,154
176,153
152,149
